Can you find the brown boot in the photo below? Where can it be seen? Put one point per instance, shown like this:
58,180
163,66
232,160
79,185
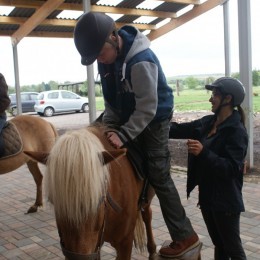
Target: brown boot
178,248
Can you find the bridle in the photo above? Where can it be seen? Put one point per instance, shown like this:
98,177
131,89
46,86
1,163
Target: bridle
75,256
105,200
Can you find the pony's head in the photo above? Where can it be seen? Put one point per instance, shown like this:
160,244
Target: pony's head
76,181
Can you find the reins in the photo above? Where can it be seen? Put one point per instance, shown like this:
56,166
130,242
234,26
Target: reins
96,255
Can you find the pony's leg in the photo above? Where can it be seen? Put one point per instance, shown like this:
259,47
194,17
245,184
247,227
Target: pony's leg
147,218
124,248
37,175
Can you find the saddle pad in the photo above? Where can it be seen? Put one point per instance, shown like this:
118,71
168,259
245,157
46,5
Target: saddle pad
12,141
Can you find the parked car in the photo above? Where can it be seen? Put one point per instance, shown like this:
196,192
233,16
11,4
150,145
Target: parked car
58,101
27,101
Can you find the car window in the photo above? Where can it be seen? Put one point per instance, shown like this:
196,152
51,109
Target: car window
68,95
40,96
53,95
33,96
25,97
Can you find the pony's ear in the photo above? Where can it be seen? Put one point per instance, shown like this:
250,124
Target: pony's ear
112,155
38,156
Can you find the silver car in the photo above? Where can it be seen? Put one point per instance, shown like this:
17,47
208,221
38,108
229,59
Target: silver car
58,101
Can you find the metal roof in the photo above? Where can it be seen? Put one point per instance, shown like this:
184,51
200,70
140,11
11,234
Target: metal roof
38,18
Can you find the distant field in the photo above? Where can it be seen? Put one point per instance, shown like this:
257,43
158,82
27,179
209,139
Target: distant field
189,100
194,100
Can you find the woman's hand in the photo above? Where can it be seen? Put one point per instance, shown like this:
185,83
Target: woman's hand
114,140
194,147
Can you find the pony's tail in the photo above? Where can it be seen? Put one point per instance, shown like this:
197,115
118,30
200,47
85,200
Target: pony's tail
140,234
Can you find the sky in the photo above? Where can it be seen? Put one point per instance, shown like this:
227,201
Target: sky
196,47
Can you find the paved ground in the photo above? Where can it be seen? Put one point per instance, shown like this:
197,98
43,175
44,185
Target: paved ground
35,236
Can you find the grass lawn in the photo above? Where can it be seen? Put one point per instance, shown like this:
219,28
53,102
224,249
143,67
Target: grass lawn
194,100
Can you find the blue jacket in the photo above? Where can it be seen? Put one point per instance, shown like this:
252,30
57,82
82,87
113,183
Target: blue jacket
134,87
218,169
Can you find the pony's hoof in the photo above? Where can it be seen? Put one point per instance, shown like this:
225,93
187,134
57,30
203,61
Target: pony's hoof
153,256
32,209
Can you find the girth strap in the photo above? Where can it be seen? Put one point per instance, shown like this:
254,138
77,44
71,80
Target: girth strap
113,204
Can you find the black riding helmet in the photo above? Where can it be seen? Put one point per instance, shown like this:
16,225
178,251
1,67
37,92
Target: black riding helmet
90,34
229,86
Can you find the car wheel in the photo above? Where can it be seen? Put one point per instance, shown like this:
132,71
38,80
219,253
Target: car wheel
84,108
48,111
14,111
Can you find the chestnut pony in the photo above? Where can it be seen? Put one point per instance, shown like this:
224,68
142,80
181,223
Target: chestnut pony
95,191
36,134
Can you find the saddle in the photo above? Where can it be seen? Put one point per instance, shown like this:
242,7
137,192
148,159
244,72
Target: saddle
137,159
10,141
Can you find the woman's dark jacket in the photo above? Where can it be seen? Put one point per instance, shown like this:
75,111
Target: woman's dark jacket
218,169
4,101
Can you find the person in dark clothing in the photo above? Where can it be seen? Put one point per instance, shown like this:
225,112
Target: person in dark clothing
4,103
139,105
217,146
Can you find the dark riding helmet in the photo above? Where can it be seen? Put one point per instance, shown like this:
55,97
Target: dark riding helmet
229,86
90,34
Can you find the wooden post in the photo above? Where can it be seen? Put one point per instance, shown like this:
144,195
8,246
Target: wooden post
177,87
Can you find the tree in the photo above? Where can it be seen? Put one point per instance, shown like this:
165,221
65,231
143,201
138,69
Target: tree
53,85
191,82
209,80
256,77
235,75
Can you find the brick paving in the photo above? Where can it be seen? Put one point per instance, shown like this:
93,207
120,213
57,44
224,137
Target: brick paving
34,236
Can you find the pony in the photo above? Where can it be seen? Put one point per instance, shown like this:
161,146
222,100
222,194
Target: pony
95,194
28,133
97,197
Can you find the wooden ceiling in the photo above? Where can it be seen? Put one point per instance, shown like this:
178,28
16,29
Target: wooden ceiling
38,18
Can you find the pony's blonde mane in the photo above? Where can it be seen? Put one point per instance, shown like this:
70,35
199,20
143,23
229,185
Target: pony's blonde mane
76,177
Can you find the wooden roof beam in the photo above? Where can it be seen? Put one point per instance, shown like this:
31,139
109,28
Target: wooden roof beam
174,23
46,9
46,22
95,8
41,34
67,23
22,3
